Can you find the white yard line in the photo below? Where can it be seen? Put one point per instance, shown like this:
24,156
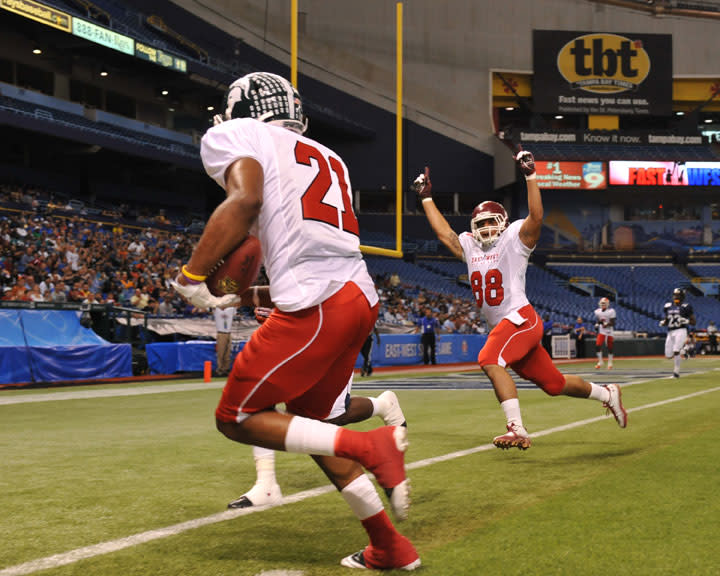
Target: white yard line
114,545
109,392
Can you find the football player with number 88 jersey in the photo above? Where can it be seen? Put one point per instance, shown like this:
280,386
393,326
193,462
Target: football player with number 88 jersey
294,194
496,254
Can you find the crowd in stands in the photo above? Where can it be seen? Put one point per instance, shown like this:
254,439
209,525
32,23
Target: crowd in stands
127,257
45,256
402,304
49,253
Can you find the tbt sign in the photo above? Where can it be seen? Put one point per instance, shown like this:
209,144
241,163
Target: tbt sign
602,73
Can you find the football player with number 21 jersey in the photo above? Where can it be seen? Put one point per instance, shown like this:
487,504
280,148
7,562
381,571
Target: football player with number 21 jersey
294,194
677,316
496,254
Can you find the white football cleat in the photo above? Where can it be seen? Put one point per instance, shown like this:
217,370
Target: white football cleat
258,496
598,366
389,409
615,406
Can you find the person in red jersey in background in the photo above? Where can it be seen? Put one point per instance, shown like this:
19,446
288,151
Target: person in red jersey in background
605,325
497,254
294,194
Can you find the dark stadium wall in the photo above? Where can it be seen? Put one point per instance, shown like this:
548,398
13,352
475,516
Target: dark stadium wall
363,134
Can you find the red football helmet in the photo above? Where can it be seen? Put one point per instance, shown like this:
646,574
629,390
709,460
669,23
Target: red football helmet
487,222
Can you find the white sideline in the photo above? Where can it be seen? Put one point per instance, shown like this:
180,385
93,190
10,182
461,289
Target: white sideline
78,554
109,393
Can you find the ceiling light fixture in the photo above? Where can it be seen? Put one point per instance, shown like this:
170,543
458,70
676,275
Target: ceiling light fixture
37,51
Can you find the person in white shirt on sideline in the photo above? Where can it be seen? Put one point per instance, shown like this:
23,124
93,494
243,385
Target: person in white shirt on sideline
223,338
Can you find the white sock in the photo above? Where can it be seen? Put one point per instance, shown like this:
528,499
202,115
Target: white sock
264,465
512,410
677,360
362,497
610,357
599,357
599,393
308,436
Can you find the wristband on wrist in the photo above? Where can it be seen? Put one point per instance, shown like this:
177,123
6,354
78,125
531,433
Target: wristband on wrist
531,177
426,199
190,277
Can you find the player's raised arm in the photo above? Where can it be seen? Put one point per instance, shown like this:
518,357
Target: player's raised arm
532,225
443,231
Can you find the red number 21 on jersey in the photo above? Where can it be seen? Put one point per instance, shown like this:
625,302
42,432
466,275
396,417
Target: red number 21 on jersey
312,200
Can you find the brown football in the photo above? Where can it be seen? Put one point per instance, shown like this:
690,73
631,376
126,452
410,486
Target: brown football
238,270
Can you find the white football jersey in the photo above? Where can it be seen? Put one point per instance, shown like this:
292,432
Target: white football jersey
605,316
307,228
497,274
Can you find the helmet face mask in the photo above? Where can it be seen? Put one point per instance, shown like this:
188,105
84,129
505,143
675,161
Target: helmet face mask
266,97
604,303
488,221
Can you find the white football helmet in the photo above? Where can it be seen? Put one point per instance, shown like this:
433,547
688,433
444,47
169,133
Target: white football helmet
604,303
487,222
266,97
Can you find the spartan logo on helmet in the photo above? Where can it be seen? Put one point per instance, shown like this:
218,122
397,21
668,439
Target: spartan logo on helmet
266,97
487,222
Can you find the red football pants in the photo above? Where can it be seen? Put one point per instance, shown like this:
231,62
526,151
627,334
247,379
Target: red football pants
303,358
520,348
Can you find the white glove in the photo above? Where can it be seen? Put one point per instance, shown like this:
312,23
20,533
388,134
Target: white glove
217,119
198,295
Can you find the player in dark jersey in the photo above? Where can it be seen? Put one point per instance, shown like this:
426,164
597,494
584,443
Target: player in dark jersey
678,315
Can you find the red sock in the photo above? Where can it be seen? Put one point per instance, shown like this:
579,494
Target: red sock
351,444
388,548
379,529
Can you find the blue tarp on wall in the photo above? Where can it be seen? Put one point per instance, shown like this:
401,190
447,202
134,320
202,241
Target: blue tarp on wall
190,356
51,346
393,350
